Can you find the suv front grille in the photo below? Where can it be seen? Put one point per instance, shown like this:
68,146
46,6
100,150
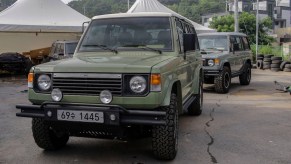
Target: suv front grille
87,84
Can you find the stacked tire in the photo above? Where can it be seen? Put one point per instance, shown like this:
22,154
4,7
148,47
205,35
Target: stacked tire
260,59
276,63
267,61
286,67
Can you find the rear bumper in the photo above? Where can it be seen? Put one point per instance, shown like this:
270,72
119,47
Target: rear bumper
122,116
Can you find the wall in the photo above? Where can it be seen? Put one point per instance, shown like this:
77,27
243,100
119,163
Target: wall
23,42
286,14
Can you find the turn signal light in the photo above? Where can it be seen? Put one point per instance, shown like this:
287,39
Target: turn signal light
30,80
155,79
216,61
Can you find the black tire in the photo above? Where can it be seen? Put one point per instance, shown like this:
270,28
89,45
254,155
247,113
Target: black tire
260,64
45,137
266,64
165,137
276,62
282,66
275,69
223,80
276,58
195,109
246,76
267,60
288,66
266,67
260,56
268,56
275,65
287,70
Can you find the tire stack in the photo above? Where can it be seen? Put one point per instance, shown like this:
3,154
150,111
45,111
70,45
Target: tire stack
267,61
276,63
286,67
260,59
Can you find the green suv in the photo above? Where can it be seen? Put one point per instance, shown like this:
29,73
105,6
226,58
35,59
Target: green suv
225,55
131,76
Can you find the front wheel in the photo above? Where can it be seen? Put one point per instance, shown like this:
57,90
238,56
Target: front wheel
223,80
245,77
46,137
165,137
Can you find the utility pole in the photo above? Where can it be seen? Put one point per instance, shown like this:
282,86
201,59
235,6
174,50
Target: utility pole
226,6
236,28
257,30
84,10
127,4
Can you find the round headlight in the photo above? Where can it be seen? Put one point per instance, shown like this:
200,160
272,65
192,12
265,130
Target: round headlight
44,82
106,97
138,84
57,94
210,63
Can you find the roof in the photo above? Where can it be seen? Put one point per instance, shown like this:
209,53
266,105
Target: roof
156,6
41,16
222,33
139,14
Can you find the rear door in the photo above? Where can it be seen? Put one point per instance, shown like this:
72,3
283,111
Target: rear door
239,53
185,69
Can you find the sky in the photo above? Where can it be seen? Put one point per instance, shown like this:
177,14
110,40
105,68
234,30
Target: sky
66,1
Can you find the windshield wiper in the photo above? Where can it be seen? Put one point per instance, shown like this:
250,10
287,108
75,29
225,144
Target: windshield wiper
104,47
140,46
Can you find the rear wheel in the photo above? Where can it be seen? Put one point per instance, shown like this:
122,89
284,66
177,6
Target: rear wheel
223,80
46,137
165,137
245,78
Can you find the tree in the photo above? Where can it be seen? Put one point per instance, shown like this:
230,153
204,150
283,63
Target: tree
247,25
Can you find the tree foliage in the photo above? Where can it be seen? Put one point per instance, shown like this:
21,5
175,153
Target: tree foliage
247,25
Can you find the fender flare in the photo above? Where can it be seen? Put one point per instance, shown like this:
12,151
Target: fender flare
174,86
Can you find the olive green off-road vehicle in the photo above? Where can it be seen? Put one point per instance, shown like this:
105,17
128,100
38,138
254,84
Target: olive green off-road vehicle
131,76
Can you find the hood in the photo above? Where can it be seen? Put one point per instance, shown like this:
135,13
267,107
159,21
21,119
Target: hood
129,62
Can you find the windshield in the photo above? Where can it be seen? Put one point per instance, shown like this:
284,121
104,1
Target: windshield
128,33
213,43
70,48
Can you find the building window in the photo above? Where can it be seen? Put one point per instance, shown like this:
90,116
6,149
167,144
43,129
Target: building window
270,10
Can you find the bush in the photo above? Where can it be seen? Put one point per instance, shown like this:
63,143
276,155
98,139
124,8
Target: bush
267,49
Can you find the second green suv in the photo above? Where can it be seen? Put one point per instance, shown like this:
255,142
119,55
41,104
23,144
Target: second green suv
131,75
225,55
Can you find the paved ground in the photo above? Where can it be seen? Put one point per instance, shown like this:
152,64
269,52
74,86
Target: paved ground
251,124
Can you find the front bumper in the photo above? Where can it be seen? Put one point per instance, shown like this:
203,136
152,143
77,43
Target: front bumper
123,116
211,72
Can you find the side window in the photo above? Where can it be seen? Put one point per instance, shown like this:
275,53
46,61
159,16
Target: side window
238,45
180,32
246,43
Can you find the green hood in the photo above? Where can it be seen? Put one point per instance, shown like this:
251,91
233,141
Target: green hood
123,62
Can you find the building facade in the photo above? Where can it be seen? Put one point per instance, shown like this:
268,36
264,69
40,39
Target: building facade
278,10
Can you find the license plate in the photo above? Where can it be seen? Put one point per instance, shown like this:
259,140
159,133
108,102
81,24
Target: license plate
81,116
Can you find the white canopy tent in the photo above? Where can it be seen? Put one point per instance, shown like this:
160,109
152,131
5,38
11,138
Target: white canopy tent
41,16
32,24
155,6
